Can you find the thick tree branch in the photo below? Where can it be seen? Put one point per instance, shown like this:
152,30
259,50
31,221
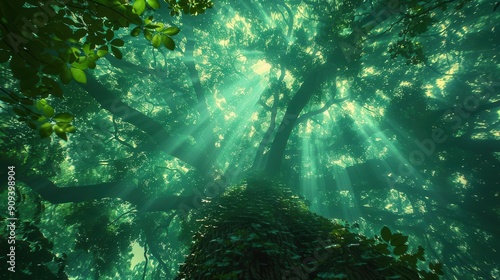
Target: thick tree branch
328,104
204,132
123,190
174,145
310,86
259,159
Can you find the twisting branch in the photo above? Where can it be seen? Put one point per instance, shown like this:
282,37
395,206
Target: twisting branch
117,138
267,139
328,104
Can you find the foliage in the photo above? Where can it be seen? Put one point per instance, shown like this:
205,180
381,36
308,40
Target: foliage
106,239
259,230
34,255
419,17
46,44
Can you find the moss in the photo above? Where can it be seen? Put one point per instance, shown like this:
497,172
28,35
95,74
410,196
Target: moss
260,230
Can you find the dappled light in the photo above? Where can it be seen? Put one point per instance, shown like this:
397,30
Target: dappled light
285,139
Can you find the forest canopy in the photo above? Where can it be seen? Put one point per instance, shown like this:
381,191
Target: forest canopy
153,139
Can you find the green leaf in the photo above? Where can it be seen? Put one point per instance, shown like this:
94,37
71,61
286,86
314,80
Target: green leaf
91,62
398,239
386,234
156,41
136,31
45,130
117,42
102,51
173,30
139,7
65,75
60,133
399,250
152,26
168,42
116,52
79,75
63,117
70,129
40,104
154,4
88,49
48,111
148,35
80,63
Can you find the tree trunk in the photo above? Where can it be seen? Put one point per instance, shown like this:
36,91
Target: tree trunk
309,87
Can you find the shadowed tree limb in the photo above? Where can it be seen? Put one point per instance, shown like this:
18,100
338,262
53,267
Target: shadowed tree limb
121,189
328,104
174,145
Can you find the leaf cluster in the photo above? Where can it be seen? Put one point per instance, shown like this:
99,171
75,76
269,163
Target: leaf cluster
49,44
260,230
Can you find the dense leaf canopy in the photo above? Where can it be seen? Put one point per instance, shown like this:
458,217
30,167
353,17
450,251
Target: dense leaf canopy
125,122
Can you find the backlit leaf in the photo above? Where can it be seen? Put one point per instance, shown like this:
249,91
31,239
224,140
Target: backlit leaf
45,130
154,4
48,111
102,51
79,75
148,35
60,133
40,104
70,129
173,30
136,31
156,40
63,117
139,7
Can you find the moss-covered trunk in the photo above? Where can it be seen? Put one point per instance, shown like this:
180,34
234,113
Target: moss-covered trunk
259,230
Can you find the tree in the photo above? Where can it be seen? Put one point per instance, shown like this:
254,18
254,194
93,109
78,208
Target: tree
287,90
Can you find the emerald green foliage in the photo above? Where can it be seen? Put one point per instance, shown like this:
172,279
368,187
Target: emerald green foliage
53,43
420,16
260,230
106,240
34,255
